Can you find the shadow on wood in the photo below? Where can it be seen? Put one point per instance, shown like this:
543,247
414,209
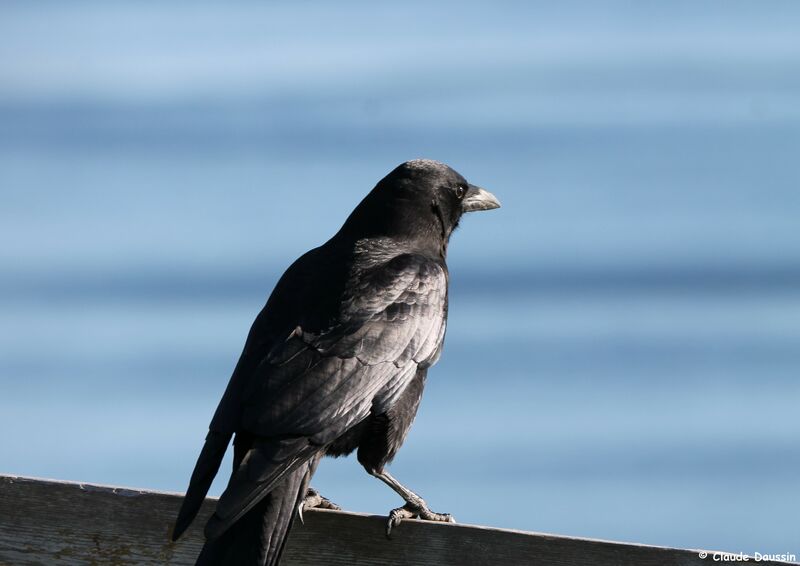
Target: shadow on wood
52,522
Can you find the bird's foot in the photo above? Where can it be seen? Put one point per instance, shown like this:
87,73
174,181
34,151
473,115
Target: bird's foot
415,510
314,500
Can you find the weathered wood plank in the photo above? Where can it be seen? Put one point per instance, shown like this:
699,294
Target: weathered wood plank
64,523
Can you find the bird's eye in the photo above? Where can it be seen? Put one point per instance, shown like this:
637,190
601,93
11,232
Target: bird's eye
461,190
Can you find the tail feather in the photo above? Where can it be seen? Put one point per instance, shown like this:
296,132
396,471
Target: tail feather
264,466
204,471
259,537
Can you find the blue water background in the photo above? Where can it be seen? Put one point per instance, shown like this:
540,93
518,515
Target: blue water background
623,353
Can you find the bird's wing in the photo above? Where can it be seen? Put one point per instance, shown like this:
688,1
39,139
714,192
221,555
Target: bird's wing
314,386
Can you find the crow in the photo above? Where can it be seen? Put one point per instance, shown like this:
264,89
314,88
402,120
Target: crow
336,361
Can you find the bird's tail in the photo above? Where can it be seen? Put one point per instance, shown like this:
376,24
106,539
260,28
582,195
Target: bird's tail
259,536
204,471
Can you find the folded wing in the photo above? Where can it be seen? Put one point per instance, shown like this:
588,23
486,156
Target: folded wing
316,384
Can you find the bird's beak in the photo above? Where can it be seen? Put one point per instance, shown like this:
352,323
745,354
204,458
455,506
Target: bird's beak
478,199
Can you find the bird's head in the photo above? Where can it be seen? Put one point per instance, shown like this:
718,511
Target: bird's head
420,201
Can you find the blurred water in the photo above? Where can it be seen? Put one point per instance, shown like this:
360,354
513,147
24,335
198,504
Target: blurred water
623,352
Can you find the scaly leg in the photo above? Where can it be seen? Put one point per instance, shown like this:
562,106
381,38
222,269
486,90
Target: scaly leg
415,507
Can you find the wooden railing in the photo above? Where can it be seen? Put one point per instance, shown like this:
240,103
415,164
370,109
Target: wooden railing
55,522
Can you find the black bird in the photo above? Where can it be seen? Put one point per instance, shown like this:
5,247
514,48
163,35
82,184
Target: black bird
335,361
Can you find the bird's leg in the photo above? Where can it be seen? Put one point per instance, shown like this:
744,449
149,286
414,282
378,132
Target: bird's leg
312,500
415,507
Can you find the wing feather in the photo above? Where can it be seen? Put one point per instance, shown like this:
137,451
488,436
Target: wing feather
315,385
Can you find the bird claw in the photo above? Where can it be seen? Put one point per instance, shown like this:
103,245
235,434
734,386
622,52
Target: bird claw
314,500
415,511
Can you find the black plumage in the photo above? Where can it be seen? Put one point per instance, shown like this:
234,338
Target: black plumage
336,361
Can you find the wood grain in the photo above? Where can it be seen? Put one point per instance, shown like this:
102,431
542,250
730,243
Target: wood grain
64,523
